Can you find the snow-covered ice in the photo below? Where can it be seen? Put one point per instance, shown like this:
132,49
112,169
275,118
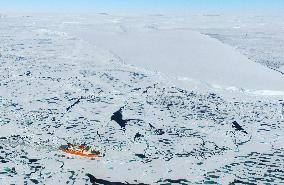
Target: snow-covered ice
179,52
192,110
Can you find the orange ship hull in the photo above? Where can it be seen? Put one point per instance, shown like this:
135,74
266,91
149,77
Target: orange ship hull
80,153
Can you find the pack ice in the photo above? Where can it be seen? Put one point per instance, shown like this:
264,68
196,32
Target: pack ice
163,106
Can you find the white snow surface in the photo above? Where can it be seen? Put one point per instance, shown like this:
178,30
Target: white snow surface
179,52
190,117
